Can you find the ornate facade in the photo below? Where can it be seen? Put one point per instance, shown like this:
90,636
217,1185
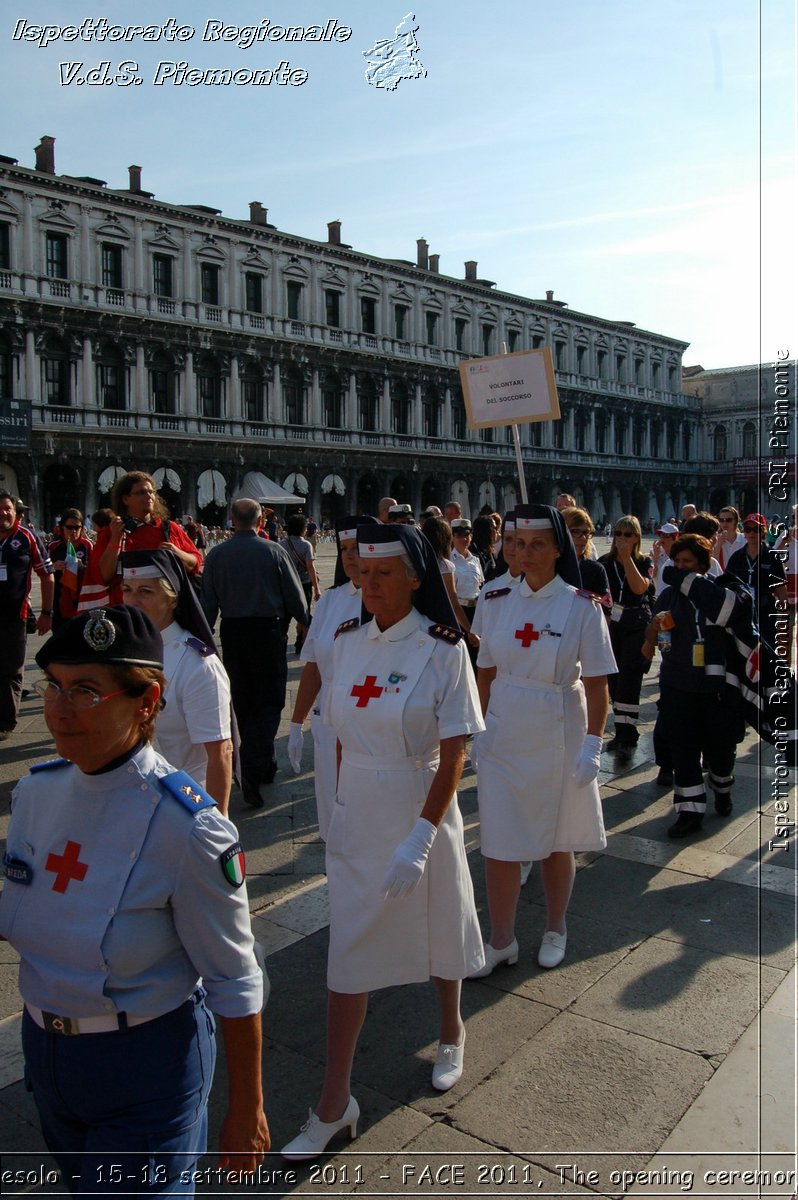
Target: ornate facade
174,339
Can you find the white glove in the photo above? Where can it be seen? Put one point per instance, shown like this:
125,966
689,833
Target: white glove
475,751
409,860
588,762
295,747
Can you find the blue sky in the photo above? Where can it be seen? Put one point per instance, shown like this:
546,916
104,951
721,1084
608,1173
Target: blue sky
637,157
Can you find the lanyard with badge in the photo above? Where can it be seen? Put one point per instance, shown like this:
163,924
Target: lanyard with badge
698,644
616,612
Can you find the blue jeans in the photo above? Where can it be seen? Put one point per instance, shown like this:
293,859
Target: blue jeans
125,1113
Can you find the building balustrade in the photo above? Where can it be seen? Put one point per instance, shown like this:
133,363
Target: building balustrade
236,429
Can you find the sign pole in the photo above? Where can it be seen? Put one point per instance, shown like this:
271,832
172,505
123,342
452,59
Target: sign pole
517,444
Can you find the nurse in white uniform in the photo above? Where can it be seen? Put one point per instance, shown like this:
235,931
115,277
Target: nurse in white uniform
543,665
340,604
194,727
402,701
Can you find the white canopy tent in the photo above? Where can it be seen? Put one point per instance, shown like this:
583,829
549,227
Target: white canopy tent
257,486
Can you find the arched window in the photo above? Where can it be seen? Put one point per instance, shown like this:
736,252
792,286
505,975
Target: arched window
209,388
400,407
368,405
56,374
253,394
293,395
111,378
430,411
163,384
332,401
719,443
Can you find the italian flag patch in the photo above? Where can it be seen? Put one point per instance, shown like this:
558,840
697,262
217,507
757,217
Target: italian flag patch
234,868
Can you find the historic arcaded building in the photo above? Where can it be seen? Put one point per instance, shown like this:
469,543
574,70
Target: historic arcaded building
222,353
749,431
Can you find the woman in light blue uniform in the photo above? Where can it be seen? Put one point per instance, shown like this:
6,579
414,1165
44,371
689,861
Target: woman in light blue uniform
124,886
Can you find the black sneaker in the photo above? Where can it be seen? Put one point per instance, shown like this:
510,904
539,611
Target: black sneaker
251,793
723,803
624,752
686,824
665,777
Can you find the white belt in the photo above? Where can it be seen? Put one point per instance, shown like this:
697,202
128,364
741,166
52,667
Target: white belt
535,685
375,763
53,1023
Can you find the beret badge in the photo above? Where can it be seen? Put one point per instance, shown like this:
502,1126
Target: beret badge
99,633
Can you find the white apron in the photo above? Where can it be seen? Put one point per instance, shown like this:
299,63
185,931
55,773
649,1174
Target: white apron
337,605
529,804
390,748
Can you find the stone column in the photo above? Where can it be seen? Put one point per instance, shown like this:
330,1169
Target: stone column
314,416
88,390
32,383
234,411
384,425
190,388
138,390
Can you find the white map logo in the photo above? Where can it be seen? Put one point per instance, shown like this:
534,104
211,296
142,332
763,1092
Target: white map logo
390,60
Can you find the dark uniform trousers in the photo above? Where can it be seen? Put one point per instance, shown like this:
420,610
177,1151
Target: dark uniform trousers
125,1113
625,686
13,638
254,652
696,724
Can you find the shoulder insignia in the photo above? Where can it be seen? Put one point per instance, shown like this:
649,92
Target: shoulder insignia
187,791
586,594
345,626
52,765
445,633
200,647
234,867
505,591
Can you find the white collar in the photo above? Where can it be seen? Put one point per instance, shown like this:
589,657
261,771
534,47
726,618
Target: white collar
555,585
402,629
172,633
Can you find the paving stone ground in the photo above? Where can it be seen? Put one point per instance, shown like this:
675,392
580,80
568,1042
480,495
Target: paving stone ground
664,1045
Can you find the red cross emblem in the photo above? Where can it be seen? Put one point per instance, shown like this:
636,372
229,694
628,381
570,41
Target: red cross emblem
527,635
66,866
366,691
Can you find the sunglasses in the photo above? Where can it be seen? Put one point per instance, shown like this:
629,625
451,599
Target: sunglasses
625,533
726,520
72,528
753,528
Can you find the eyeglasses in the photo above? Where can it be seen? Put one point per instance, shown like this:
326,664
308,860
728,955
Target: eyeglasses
726,520
625,533
581,533
78,697
142,492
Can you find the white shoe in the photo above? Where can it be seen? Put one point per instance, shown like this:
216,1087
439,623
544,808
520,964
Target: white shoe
315,1134
507,954
552,949
526,870
448,1066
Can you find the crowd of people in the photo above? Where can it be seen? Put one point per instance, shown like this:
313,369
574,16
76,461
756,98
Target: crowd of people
507,638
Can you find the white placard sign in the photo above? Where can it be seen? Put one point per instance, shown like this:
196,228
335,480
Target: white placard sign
508,389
